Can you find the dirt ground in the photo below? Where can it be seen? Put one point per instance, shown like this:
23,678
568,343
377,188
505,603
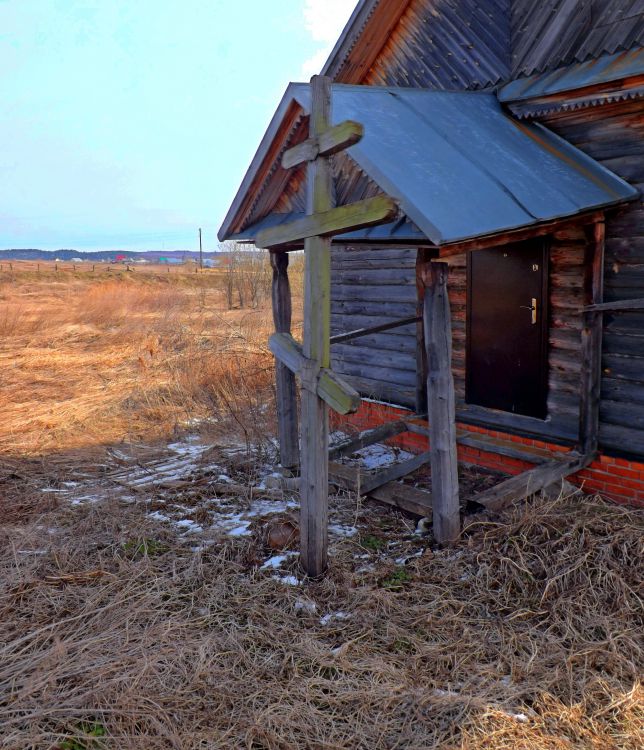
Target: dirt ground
145,604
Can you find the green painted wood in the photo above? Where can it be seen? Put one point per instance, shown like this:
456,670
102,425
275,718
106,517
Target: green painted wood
332,141
321,381
332,221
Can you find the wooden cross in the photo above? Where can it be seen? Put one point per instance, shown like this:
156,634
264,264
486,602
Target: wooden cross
321,387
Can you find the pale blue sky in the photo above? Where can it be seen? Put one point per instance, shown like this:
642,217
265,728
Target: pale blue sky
129,124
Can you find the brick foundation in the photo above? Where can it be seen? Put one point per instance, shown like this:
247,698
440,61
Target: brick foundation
618,479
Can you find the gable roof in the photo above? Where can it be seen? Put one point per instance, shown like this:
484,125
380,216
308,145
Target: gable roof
456,164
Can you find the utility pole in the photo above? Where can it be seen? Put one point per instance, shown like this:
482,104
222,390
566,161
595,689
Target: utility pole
200,251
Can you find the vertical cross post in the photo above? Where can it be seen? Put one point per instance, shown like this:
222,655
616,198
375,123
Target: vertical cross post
317,331
441,404
284,378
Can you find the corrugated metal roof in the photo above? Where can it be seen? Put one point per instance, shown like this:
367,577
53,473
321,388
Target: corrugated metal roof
606,69
401,231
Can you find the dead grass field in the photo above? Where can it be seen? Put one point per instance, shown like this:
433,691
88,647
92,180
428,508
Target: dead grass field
91,359
140,606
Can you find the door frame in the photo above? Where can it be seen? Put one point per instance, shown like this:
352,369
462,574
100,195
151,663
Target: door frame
544,322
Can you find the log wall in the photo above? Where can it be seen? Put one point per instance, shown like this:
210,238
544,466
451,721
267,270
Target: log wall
613,134
370,286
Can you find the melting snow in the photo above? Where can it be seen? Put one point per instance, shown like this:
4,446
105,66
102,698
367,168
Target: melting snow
158,516
326,619
288,580
342,530
305,605
188,525
277,560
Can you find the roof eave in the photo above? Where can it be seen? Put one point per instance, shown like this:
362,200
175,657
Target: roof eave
241,197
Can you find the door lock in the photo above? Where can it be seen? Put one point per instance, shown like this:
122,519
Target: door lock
533,308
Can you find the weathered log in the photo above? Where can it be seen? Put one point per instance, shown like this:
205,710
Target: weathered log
441,405
286,389
330,142
591,350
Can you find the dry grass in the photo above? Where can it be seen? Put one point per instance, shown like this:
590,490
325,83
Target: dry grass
88,360
527,636
114,633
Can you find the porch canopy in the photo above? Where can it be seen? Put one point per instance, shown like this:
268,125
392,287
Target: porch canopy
458,166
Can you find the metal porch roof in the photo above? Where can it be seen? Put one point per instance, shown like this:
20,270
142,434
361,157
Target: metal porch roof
459,167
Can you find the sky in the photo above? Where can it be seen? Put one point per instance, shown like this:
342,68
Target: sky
129,125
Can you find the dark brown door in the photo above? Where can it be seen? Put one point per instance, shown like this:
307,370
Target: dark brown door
507,318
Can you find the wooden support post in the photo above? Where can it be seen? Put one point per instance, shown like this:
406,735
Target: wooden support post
423,257
284,379
441,404
591,349
317,330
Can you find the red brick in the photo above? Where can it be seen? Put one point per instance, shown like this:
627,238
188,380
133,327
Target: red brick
629,473
606,459
628,484
616,491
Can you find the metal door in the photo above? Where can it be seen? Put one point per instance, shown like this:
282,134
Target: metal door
507,321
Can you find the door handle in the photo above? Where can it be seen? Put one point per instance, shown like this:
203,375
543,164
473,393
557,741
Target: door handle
533,308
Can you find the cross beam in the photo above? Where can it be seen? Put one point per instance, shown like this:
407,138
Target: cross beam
332,141
322,381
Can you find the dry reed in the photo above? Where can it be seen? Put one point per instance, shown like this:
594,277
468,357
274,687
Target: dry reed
526,636
88,361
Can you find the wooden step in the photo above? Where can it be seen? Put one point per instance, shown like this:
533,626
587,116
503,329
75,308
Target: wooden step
501,446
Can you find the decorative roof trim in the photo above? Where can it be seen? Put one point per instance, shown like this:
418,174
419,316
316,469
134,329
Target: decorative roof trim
606,79
356,50
547,106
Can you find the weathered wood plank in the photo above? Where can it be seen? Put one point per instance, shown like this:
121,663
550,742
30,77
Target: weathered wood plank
591,350
359,332
441,403
392,473
629,305
314,484
402,496
523,485
323,382
354,216
515,235
369,437
286,389
332,141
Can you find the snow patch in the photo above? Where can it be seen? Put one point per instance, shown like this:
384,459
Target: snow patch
305,605
326,619
288,580
339,529
277,561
